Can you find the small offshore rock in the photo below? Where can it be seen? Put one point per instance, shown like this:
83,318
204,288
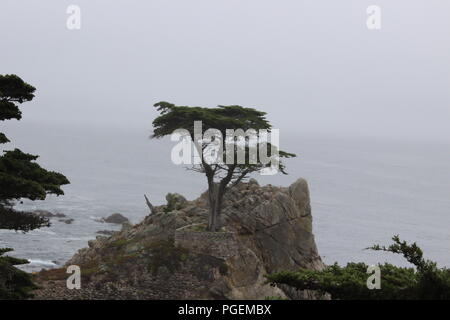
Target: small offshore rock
116,218
67,221
59,215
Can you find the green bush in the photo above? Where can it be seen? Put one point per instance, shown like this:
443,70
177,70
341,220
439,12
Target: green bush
15,284
423,281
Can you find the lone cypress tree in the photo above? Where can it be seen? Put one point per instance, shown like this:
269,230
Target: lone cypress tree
20,177
222,175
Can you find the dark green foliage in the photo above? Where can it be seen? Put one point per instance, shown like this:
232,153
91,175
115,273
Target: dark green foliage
21,221
349,282
3,138
412,253
221,118
14,283
13,90
20,177
425,281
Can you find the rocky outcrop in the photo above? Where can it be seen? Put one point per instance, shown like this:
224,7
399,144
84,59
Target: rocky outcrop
169,255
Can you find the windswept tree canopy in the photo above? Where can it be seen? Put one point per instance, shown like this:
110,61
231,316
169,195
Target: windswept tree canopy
20,175
221,118
13,91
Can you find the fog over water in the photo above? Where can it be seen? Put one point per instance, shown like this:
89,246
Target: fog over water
366,111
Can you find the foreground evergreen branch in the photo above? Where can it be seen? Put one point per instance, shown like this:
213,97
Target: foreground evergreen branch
14,283
20,177
424,281
21,221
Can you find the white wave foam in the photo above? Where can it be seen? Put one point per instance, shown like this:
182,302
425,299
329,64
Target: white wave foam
39,262
40,232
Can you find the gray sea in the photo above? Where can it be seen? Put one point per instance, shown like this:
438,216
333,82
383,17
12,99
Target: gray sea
363,190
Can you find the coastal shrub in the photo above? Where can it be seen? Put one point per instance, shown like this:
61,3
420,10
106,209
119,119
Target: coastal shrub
14,283
422,281
174,202
119,243
164,254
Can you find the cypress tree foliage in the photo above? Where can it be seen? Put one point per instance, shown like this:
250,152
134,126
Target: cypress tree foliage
423,282
14,283
20,177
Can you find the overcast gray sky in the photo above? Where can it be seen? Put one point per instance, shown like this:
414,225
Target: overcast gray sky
312,65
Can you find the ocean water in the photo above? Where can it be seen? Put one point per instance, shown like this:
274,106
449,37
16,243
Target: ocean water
363,191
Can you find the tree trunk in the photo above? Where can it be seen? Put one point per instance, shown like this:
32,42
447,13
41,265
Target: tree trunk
215,196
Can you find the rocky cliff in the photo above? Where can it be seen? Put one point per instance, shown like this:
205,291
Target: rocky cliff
169,255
